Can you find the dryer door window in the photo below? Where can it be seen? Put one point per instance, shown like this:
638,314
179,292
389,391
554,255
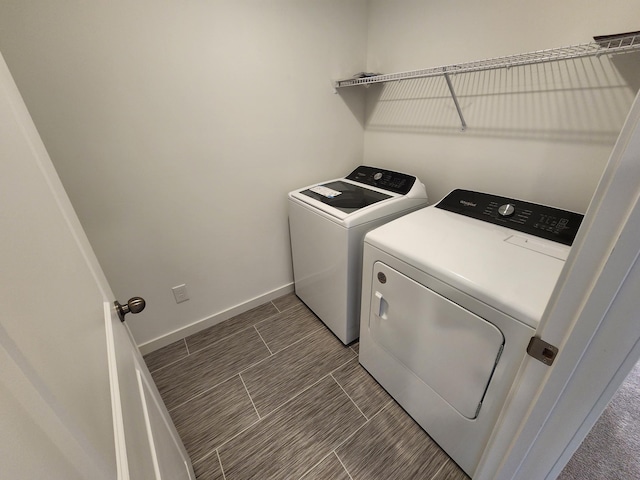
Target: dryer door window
451,350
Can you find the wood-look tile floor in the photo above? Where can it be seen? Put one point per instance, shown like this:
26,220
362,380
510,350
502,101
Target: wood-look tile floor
272,394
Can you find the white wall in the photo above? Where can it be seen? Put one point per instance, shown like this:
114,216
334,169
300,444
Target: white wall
538,133
178,127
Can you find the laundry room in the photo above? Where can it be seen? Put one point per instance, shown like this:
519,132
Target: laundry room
178,128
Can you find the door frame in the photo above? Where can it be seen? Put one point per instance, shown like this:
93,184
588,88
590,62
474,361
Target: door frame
590,318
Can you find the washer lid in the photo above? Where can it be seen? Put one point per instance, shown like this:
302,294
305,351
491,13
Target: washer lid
509,270
346,197
365,195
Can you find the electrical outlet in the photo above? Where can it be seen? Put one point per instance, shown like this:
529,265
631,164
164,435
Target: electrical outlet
180,293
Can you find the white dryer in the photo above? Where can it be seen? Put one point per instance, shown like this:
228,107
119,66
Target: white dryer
327,223
451,296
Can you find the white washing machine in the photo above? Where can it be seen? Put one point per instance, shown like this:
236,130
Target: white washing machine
451,296
327,222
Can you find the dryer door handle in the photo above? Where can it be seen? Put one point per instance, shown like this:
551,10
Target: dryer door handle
380,305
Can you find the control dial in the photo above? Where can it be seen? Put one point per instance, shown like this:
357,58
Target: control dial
506,210
377,176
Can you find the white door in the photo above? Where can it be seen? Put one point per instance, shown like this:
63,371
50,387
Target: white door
76,400
593,318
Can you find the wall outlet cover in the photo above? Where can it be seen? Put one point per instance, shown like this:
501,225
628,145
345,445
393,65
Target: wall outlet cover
180,293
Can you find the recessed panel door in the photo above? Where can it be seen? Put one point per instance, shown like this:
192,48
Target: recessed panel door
450,349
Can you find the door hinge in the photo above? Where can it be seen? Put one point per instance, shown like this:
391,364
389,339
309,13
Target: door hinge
541,350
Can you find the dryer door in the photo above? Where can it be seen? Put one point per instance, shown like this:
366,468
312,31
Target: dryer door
452,350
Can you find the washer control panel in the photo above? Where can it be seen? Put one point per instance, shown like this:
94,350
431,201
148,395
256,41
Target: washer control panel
376,177
539,220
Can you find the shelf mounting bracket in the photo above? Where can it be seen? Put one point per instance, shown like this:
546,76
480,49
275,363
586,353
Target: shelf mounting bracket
455,101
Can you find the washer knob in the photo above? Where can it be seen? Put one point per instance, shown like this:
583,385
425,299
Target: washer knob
377,176
506,210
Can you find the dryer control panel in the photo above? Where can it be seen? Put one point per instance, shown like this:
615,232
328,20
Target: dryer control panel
540,220
376,177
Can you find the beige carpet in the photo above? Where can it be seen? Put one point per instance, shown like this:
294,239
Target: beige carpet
611,450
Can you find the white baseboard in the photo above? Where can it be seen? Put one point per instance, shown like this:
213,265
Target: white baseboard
207,322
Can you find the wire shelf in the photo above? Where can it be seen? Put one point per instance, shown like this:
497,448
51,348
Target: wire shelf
605,45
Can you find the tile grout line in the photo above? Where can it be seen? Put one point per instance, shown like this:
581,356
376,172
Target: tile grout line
220,339
224,477
322,460
279,351
300,305
306,388
339,367
316,464
239,433
203,458
249,395
226,337
184,339
247,368
343,465
270,413
278,408
189,353
162,367
362,426
440,469
217,449
197,395
334,451
348,396
263,341
282,405
295,304
279,311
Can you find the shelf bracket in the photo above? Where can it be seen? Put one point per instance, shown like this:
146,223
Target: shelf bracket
455,101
